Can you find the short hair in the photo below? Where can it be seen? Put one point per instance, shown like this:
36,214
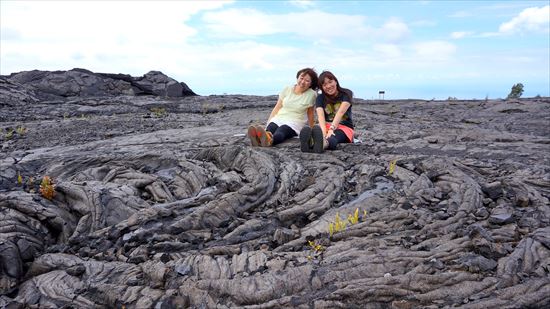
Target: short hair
312,74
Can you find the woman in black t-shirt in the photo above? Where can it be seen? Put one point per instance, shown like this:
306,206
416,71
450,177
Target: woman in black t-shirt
333,108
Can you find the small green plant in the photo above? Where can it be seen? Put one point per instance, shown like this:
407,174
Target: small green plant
21,130
391,168
9,134
336,226
393,110
158,111
47,187
19,178
315,250
516,92
340,225
205,108
355,218
315,247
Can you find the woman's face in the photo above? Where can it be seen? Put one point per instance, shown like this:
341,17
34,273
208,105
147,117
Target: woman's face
304,81
329,87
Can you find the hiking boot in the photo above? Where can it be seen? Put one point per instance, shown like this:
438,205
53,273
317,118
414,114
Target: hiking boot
266,137
318,139
306,142
253,135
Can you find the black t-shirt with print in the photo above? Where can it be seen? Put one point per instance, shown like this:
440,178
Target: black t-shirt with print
331,106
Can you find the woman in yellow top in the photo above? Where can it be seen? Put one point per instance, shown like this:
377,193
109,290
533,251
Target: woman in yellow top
288,116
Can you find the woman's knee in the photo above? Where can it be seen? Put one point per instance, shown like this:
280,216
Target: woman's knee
272,127
332,143
278,138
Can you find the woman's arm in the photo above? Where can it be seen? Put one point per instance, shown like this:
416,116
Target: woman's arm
340,113
310,117
275,110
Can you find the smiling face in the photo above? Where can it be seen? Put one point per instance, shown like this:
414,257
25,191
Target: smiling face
329,87
303,82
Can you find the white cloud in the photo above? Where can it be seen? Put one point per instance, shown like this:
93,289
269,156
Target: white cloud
235,23
246,55
133,39
250,22
321,42
216,49
336,25
434,50
529,20
90,20
387,51
488,35
461,34
239,22
53,35
393,30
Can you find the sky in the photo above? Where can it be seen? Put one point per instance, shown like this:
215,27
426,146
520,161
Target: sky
409,49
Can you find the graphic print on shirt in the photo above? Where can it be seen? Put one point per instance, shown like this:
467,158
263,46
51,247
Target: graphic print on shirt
332,109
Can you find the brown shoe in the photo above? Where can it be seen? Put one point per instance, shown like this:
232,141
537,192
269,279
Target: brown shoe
253,136
266,138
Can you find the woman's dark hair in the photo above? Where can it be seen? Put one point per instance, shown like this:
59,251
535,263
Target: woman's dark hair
327,74
312,74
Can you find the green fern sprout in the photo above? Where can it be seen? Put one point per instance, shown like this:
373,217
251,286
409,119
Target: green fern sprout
340,225
315,250
392,166
9,134
158,111
21,130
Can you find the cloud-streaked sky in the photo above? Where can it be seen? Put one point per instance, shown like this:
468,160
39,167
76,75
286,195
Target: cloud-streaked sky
410,49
